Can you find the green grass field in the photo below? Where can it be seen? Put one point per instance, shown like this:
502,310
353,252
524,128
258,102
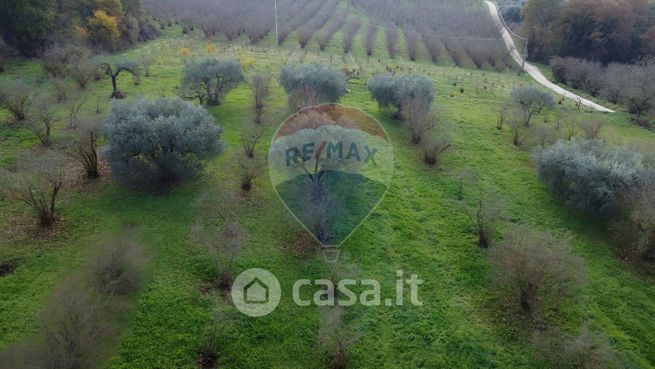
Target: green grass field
419,227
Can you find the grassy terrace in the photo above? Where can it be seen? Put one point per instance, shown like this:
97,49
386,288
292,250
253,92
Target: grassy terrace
419,227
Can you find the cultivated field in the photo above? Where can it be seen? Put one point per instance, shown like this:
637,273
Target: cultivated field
423,225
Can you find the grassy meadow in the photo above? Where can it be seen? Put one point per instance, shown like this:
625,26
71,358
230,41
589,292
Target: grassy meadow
419,227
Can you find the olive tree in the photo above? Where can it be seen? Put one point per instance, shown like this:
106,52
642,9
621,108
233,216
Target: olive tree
37,181
155,142
537,266
532,101
309,84
590,176
392,91
115,69
210,79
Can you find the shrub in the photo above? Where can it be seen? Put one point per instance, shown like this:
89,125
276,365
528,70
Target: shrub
16,96
37,181
392,91
155,142
532,101
210,79
308,84
537,266
590,176
587,350
117,267
260,86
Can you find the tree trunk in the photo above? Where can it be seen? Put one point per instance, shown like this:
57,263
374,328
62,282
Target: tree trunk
525,300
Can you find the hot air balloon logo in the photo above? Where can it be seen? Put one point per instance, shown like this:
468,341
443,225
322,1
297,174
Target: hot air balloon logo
331,165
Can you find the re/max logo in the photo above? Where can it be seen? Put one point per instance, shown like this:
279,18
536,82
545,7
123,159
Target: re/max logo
331,150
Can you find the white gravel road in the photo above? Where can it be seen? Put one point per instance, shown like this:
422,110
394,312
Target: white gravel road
533,71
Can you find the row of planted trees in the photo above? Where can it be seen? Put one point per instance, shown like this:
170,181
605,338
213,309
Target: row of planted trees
464,31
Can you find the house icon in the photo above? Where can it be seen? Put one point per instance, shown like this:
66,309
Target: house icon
256,292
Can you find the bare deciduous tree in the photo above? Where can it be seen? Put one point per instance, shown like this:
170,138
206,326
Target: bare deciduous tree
504,114
225,244
260,86
537,266
544,135
640,223
249,140
518,130
74,104
16,96
591,129
37,181
586,350
114,70
42,117
487,215
419,117
334,338
249,168
85,142
117,266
